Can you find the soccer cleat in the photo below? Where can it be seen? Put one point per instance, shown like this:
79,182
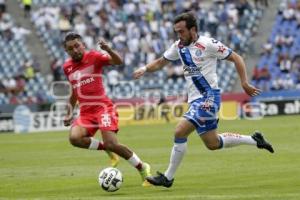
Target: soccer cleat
261,142
145,172
160,180
146,183
114,158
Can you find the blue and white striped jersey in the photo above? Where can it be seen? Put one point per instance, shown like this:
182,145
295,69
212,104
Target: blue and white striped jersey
199,61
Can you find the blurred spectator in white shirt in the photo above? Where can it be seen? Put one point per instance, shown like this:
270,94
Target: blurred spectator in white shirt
20,32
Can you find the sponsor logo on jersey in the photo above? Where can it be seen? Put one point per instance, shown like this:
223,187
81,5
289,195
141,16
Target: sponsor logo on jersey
83,82
191,70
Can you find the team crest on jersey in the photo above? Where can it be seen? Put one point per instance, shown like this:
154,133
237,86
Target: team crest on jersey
198,53
76,75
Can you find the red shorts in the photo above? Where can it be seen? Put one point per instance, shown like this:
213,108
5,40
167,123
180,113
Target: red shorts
104,121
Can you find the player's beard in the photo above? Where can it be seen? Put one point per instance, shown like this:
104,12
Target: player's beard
77,57
187,42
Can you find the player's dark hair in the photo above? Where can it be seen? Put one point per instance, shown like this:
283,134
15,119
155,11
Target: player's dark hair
71,36
189,19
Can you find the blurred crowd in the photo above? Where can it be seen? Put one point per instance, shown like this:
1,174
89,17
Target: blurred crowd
8,30
19,71
142,30
279,68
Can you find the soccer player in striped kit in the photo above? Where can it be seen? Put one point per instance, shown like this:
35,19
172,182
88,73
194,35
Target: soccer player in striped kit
199,55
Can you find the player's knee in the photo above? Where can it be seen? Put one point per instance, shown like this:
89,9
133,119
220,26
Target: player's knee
212,146
178,132
75,140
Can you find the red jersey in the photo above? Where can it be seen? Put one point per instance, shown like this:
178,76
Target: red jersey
86,80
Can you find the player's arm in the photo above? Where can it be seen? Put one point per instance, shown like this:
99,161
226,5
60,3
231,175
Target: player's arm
70,106
241,69
115,58
151,67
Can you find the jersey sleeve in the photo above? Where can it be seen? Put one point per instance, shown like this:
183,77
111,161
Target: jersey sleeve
218,49
65,66
101,58
171,53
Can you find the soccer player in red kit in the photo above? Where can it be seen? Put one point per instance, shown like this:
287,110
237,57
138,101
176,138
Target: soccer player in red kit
97,112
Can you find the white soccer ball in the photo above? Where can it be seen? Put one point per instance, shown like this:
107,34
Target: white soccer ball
110,179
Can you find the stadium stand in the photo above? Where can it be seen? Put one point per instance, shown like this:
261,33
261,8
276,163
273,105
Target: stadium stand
139,30
279,65
20,82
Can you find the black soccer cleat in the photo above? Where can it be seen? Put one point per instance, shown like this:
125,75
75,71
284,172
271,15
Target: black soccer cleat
160,180
261,142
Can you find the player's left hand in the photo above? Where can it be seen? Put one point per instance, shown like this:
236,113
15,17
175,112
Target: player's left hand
103,45
250,89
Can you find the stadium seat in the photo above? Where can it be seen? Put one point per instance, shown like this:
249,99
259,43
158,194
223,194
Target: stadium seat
286,27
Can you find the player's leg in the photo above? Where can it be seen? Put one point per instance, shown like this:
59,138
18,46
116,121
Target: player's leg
205,118
79,137
111,143
82,137
214,141
182,131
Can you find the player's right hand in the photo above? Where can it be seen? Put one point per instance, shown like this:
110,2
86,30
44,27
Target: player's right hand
103,45
139,72
67,120
250,89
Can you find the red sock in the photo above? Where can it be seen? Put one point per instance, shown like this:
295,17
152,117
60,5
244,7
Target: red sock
139,166
101,146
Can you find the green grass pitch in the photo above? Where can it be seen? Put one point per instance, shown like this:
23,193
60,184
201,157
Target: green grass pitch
46,166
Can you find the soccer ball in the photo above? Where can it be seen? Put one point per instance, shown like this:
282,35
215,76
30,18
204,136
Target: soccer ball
110,179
